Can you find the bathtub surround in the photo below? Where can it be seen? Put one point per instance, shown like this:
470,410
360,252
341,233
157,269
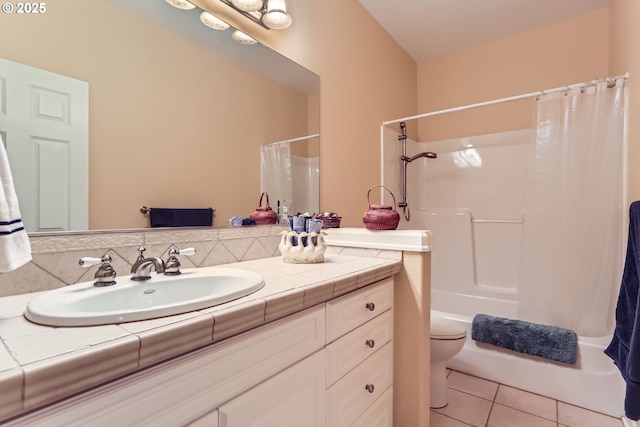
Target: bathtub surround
549,342
14,242
624,348
475,199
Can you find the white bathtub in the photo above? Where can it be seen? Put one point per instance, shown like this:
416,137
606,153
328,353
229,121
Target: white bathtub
593,383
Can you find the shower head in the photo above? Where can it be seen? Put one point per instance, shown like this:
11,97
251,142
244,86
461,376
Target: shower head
427,154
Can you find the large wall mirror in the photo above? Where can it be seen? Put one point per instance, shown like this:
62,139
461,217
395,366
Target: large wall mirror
177,112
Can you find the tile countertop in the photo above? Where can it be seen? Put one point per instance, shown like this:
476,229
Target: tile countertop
41,364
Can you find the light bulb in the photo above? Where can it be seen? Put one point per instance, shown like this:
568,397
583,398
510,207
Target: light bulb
213,22
276,16
247,5
181,4
242,38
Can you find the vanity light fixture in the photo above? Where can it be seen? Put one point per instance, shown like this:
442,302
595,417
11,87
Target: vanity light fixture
275,16
248,5
181,4
270,14
242,38
213,22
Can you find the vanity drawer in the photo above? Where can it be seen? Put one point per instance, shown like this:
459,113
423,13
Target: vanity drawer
346,313
348,351
380,414
350,397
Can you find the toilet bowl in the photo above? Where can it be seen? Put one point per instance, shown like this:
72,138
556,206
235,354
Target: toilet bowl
447,339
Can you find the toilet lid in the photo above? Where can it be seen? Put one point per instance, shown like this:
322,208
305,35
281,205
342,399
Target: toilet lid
442,328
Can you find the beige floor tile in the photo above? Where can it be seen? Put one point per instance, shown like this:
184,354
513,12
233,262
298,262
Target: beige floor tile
439,420
574,416
503,416
466,408
473,385
531,403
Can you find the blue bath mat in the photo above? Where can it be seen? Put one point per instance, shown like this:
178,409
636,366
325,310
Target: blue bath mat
549,342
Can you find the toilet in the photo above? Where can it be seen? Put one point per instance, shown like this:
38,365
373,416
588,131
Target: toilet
447,339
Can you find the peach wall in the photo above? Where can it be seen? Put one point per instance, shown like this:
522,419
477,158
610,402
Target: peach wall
625,57
365,78
182,101
567,52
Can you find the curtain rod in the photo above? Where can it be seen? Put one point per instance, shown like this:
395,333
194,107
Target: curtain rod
511,98
302,138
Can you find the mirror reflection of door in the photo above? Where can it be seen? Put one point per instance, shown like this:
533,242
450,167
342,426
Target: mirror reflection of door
44,122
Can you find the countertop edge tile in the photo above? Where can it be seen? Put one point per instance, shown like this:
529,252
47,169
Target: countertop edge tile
345,284
317,293
282,304
157,345
237,319
61,376
365,279
11,390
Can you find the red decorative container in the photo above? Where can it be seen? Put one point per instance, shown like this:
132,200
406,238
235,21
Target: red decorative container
329,220
381,217
264,215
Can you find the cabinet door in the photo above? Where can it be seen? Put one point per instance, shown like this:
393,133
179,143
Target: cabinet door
293,398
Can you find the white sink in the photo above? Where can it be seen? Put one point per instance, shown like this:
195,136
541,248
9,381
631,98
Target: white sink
83,304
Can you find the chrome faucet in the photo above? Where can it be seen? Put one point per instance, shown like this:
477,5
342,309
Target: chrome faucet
141,269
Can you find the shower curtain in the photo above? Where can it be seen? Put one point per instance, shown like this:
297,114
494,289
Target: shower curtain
572,248
275,173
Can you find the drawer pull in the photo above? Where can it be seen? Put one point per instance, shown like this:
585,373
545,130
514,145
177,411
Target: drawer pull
370,343
369,388
370,306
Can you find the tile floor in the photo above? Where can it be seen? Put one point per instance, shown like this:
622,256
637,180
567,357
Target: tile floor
478,402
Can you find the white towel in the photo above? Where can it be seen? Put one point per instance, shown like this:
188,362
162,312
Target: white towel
15,249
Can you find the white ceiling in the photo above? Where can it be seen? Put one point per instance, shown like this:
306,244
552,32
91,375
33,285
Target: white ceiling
429,28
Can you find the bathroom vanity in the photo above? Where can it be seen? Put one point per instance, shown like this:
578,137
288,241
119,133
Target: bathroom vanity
326,365
344,342
325,359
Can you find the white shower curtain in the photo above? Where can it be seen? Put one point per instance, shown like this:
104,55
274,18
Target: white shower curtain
275,173
573,223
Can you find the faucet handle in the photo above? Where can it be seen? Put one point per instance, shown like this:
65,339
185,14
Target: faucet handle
106,275
185,251
172,266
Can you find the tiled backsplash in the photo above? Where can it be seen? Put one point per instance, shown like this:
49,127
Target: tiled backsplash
55,257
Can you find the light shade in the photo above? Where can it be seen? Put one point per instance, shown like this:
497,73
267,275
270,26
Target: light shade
242,38
213,22
181,4
248,5
276,16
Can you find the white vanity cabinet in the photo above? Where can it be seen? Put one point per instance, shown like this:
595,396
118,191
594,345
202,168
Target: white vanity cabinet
328,366
185,389
294,397
360,357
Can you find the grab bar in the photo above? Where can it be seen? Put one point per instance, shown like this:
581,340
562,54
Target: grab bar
498,221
